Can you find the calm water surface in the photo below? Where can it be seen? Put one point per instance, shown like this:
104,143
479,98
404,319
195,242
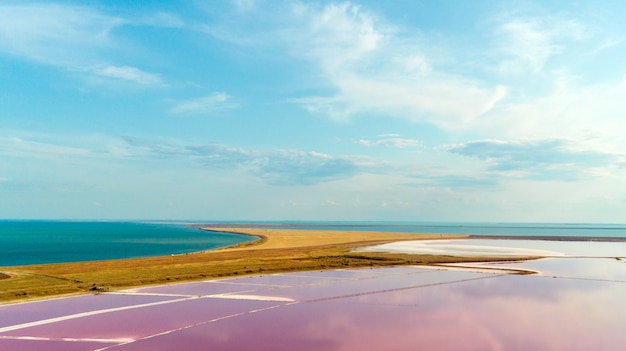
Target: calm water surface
35,242
573,303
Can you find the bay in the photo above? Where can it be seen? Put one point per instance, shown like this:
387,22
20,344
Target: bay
37,242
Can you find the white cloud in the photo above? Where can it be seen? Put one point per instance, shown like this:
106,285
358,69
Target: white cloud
276,167
130,74
567,110
526,46
391,141
448,102
528,43
207,104
340,33
541,159
18,147
74,38
373,68
367,65
55,34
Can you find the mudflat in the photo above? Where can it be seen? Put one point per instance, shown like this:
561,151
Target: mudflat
277,250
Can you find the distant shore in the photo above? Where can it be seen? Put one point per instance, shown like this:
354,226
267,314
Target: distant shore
550,238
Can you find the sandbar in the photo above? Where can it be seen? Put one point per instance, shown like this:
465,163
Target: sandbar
277,250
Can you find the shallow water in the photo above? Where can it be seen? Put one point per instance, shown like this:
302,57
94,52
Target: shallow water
504,248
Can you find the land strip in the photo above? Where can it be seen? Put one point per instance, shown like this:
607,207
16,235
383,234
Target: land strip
276,250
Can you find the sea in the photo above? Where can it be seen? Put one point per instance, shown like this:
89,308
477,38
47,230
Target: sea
26,242
38,242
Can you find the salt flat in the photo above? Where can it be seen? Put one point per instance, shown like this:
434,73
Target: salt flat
571,303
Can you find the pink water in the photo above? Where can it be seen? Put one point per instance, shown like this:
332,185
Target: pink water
572,304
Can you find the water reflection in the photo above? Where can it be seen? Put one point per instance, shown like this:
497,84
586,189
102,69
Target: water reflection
542,314
574,303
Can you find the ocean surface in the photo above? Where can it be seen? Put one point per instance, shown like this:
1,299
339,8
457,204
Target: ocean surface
36,242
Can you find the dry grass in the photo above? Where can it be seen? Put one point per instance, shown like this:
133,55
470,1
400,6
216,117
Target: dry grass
276,251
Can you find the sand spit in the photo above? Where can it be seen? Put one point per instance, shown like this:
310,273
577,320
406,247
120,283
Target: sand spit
276,251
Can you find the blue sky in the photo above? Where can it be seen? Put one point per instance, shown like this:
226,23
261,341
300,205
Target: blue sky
300,110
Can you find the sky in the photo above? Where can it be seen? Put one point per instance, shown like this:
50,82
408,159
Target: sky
456,111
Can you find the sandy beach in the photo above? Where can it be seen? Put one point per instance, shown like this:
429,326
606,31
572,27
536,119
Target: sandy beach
275,251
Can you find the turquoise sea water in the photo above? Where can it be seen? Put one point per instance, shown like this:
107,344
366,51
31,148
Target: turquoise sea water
35,242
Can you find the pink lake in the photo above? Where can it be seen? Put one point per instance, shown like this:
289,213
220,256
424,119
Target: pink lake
571,303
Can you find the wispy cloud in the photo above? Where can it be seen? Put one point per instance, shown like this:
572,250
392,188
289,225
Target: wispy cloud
276,167
369,66
539,158
288,167
448,181
74,38
373,68
19,147
281,167
130,74
527,43
393,141
55,34
203,105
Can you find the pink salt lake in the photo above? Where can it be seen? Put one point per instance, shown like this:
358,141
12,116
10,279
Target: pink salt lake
574,301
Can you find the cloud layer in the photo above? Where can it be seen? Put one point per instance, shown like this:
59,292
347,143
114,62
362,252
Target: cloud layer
354,109
540,159
75,38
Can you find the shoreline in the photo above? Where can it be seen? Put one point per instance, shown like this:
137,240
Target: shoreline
275,251
549,238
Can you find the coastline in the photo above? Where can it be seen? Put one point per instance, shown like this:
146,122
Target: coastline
376,303
550,238
273,251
